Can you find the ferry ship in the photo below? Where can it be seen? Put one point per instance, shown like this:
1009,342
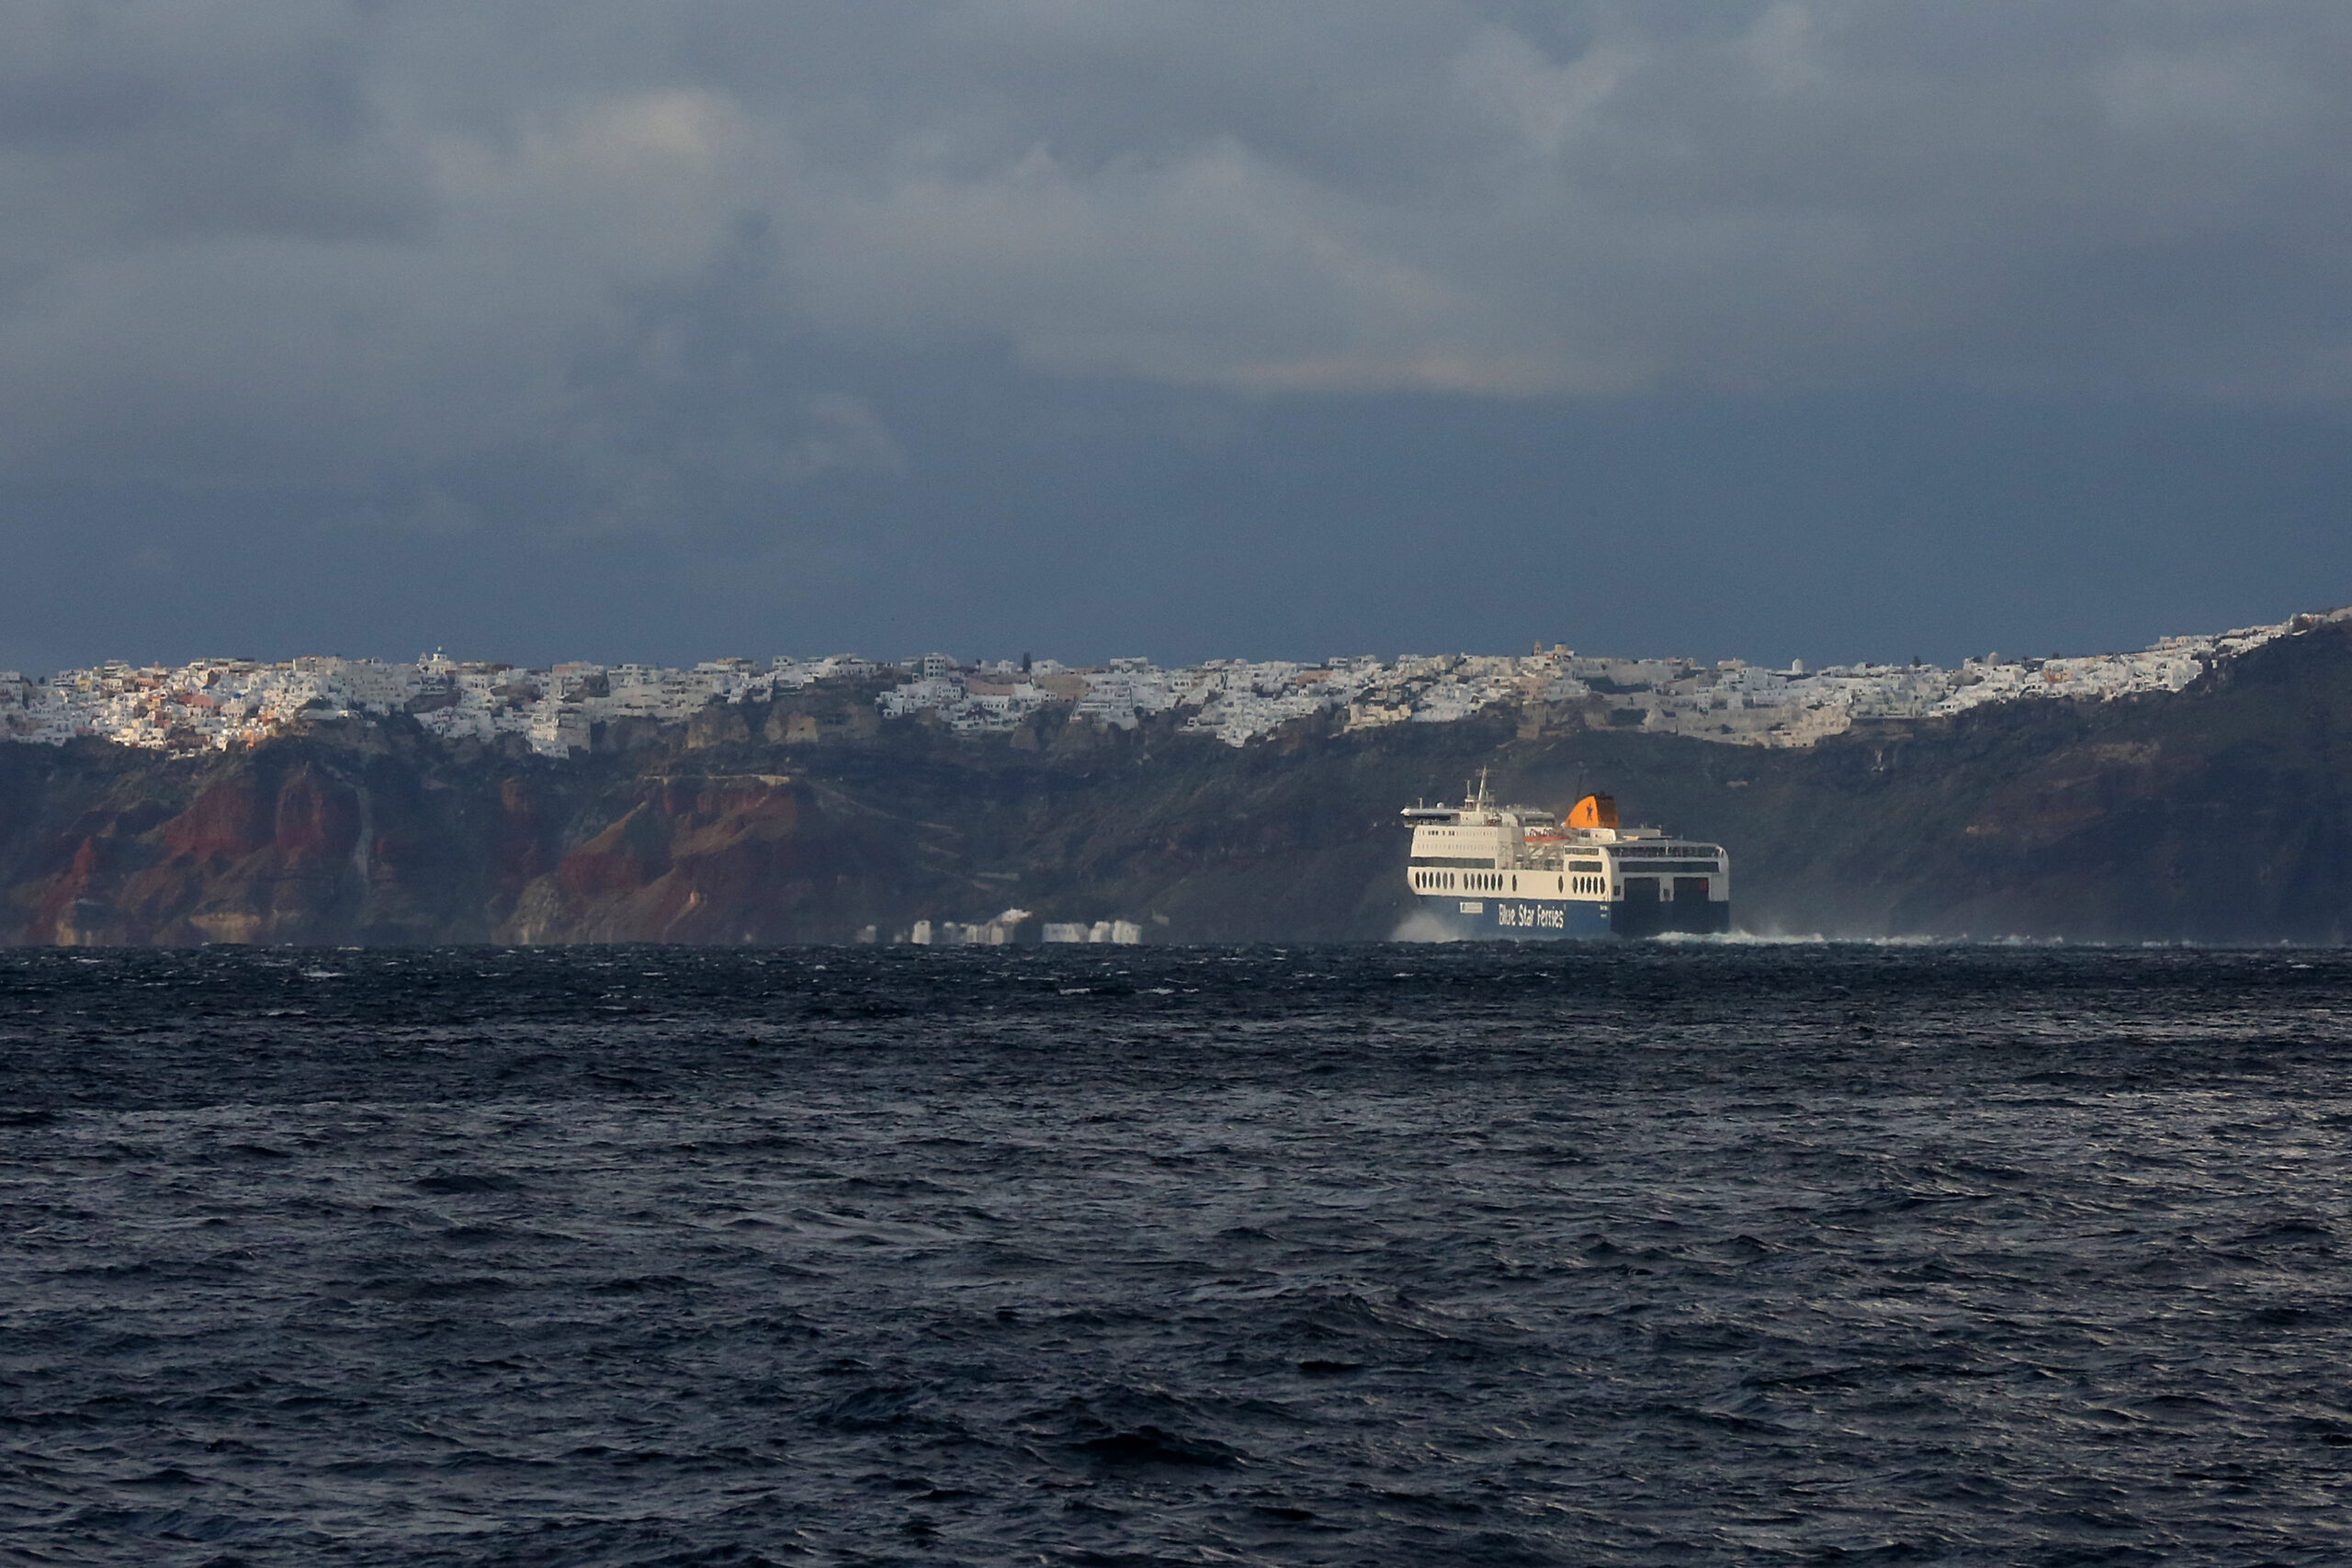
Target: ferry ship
1483,870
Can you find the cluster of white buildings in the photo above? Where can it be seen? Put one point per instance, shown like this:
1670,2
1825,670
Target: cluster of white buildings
216,704
1744,704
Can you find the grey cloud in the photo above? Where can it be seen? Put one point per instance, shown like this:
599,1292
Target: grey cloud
121,125
411,200
600,271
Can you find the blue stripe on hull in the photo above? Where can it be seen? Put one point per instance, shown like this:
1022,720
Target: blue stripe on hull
1553,920
1517,919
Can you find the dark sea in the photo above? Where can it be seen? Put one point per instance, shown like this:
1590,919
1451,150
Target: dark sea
1697,1253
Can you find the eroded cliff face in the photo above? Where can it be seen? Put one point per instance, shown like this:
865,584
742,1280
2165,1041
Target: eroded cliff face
2222,813
248,854
716,858
310,842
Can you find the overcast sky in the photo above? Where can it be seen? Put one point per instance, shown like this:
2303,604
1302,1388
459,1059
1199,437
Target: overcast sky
1832,328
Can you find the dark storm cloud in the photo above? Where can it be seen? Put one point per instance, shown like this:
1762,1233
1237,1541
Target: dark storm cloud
716,273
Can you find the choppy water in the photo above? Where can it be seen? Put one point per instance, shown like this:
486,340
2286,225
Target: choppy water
1700,1254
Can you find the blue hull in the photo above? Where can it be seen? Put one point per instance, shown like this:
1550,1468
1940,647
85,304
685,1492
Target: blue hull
1507,919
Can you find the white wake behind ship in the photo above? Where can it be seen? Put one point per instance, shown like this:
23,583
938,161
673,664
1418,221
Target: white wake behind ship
1482,870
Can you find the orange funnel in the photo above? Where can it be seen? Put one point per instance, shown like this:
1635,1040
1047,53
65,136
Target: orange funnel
1594,811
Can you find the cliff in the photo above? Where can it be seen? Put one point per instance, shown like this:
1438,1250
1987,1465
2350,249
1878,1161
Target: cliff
2218,813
